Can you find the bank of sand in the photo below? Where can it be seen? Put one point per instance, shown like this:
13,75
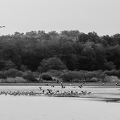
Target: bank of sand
105,93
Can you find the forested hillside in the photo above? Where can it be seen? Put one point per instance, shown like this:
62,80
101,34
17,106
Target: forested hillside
73,50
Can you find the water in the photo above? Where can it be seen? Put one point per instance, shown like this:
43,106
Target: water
55,108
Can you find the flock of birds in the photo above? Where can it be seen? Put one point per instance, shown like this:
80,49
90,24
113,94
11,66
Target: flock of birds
48,92
64,93
15,93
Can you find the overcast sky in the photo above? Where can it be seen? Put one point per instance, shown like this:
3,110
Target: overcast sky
101,16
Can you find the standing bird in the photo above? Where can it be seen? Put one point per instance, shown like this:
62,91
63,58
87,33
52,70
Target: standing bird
40,88
62,85
43,91
117,84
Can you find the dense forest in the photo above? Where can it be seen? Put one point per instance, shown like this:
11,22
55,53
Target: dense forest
78,51
70,50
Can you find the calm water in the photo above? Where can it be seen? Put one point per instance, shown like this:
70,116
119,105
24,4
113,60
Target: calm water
50,108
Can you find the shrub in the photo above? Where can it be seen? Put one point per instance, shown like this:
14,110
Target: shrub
2,80
55,73
91,74
93,79
112,79
36,74
79,76
71,76
14,80
13,73
76,80
45,76
66,77
113,73
29,77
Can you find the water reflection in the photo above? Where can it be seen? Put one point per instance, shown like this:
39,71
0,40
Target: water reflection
56,108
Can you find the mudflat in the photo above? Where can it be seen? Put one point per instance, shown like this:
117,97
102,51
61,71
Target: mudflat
105,93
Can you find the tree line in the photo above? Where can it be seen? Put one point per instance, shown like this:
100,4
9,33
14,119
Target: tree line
72,50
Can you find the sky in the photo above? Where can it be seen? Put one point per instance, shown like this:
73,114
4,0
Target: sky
101,16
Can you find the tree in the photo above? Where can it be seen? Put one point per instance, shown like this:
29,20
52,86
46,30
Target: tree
2,64
71,34
9,65
113,55
29,76
53,34
100,58
109,65
86,61
82,38
108,39
51,63
93,37
13,73
23,68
